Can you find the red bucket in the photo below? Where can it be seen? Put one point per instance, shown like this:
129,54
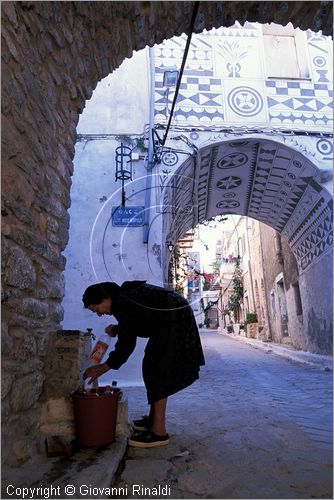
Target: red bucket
95,417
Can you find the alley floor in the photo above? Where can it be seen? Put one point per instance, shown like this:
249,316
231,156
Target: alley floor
255,425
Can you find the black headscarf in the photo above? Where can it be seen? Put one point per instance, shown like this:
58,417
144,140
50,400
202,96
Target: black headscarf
94,294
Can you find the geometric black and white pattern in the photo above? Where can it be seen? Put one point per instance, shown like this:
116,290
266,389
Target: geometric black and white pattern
225,84
298,102
316,239
225,80
263,179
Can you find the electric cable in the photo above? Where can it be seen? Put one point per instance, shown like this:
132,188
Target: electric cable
185,54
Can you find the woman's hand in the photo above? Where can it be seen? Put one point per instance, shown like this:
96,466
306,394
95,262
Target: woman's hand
95,371
112,330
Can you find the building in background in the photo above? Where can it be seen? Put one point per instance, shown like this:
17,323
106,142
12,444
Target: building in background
280,285
237,299
270,303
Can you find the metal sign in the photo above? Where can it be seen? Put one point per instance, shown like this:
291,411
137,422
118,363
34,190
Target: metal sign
127,216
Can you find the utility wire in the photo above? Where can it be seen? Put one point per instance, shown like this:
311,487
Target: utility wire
185,54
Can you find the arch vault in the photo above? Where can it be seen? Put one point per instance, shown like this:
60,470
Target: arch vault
275,184
259,178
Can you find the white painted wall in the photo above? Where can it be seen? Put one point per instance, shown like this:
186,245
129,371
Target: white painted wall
120,102
97,251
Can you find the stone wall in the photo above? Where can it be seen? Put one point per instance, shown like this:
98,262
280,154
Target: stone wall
65,362
53,55
278,260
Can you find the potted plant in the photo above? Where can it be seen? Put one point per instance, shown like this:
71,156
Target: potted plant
251,317
250,327
236,328
236,296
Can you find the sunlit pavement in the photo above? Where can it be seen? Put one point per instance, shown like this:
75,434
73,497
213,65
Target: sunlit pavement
255,425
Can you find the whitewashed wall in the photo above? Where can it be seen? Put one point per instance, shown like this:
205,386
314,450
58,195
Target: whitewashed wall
97,251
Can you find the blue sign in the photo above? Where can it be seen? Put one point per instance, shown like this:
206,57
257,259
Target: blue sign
127,216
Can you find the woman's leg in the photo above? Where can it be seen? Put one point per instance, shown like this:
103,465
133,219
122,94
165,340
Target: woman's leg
157,435
158,417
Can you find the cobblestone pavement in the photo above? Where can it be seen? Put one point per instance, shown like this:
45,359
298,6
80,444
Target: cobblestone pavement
255,425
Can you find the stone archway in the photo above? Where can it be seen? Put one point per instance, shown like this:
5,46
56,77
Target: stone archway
54,54
273,183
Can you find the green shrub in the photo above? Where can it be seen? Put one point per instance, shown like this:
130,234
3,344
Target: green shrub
251,318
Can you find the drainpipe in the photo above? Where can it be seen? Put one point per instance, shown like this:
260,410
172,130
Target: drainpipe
150,154
249,268
278,247
270,336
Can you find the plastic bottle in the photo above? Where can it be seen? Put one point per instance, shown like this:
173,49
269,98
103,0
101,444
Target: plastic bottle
100,348
92,385
81,391
93,392
115,388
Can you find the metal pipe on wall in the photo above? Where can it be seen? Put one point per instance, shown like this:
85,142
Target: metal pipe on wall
150,154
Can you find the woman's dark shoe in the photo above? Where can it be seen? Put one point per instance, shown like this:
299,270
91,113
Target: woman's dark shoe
141,425
148,439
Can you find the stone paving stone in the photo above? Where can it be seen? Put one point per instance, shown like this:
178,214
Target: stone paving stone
245,429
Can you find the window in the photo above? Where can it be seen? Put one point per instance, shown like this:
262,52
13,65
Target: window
246,304
298,299
282,300
273,303
285,52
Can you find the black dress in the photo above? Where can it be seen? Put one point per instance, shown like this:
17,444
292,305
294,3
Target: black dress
173,354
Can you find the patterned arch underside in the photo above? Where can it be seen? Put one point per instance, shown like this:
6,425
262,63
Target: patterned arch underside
262,179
